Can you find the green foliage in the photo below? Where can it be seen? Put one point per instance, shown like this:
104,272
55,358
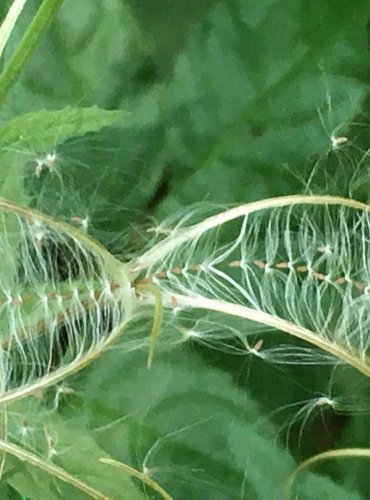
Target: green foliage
254,92
43,130
75,60
27,138
188,423
30,141
76,451
127,112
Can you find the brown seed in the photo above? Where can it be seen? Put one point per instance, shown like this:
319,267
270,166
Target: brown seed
235,263
260,264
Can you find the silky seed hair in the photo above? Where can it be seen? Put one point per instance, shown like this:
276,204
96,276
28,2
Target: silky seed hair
63,299
300,264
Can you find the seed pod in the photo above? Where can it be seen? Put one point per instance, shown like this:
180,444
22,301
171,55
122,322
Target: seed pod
63,299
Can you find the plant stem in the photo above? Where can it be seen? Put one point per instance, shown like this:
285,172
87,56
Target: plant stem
9,22
341,453
158,252
50,468
158,315
27,45
140,475
199,302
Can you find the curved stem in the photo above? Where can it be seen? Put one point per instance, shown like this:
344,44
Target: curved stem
27,45
199,302
342,453
65,371
139,475
159,251
54,470
118,268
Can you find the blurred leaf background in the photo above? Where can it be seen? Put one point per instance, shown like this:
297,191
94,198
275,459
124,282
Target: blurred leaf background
225,102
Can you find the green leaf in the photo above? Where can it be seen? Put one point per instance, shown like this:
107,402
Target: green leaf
66,443
43,130
91,55
261,87
27,140
23,138
270,469
184,421
65,70
168,33
8,493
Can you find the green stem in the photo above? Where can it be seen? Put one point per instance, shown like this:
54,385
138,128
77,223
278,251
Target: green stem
50,468
341,453
139,475
158,315
27,45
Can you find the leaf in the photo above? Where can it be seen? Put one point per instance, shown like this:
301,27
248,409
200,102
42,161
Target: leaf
168,33
66,444
8,493
256,462
261,86
189,427
32,138
108,178
64,71
43,130
91,55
